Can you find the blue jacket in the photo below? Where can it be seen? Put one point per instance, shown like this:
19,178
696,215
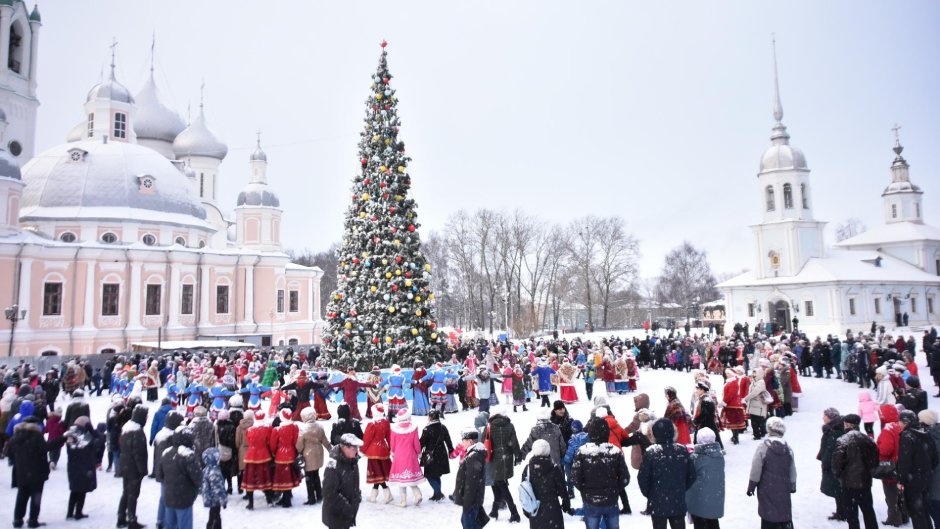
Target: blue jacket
577,441
159,419
213,484
27,409
544,374
219,396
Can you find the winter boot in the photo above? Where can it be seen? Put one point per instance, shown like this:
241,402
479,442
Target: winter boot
514,410
494,512
417,495
79,506
250,495
524,408
403,502
70,511
513,513
311,493
135,525
373,495
286,497
387,496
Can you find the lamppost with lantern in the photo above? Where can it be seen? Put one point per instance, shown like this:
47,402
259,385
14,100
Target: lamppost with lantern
13,314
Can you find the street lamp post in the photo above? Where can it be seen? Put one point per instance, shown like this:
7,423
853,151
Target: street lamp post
13,314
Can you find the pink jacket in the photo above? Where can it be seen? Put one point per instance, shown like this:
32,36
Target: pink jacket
867,408
405,445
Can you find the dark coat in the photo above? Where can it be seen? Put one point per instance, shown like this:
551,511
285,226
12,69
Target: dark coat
133,443
82,459
706,497
917,459
853,459
773,474
505,447
344,424
203,436
599,472
827,446
29,451
436,447
548,483
164,440
180,471
341,494
226,431
547,430
564,424
469,486
77,408
666,472
705,416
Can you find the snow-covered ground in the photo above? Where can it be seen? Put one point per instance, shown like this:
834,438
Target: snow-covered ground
811,508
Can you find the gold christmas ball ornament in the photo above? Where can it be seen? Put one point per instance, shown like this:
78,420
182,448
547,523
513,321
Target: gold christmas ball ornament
365,197
373,289
388,339
401,168
407,282
418,312
388,275
379,96
397,272
418,299
431,297
348,325
391,309
414,332
427,267
434,336
384,262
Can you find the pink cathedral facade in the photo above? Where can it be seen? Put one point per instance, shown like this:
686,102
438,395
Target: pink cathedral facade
115,238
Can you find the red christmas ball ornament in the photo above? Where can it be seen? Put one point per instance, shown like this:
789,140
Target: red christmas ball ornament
394,229
385,80
407,180
385,196
394,288
382,185
355,260
411,227
374,218
375,340
355,197
364,162
433,325
391,209
367,181
408,274
353,313
397,259
375,240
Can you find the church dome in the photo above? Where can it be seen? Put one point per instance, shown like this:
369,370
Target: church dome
901,187
258,194
154,120
782,157
110,89
91,179
198,140
258,155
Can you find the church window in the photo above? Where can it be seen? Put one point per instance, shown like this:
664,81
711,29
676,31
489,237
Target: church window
787,196
294,301
110,296
929,305
15,148
894,211
914,305
67,237
770,198
280,300
202,244
852,306
186,303
750,310
120,125
149,240
877,305
16,45
109,238
52,299
152,303
221,299
91,125
916,211
181,241
809,309
202,185
803,196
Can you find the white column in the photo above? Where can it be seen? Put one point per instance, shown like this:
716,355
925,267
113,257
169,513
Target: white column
311,303
26,275
33,56
90,295
5,15
174,316
134,287
204,296
249,311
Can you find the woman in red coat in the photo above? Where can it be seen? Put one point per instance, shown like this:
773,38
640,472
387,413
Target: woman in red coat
888,442
376,449
257,473
732,414
676,413
284,446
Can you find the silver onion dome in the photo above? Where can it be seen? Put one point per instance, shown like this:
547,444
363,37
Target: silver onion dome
154,120
198,140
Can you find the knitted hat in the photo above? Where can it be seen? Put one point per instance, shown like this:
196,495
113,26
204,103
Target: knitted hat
705,436
224,415
541,448
200,411
703,385
928,417
600,413
852,419
308,414
775,427
403,415
558,405
470,433
832,413
577,426
913,381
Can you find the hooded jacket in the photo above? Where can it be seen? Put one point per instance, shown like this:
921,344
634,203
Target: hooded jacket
545,429
505,447
182,476
312,441
28,451
867,408
213,483
469,486
133,443
163,439
773,475
934,432
917,458
706,497
27,409
341,494
827,446
890,436
344,424
666,472
641,401
599,470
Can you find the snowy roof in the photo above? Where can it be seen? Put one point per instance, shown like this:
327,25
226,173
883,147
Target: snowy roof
844,266
894,233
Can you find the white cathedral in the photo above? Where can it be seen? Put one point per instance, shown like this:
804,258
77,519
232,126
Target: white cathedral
116,238
889,275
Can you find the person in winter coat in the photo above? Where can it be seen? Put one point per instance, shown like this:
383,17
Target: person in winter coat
163,441
182,479
203,432
505,454
675,412
548,484
617,437
257,473
773,475
868,411
545,429
81,467
28,451
853,459
345,423
705,499
214,493
755,405
132,466
405,446
225,431
77,408
436,447
915,398
311,444
832,429
156,424
562,419
888,441
666,473
378,453
54,430
283,444
917,459
341,494
706,416
241,443
928,418
578,439
598,472
469,486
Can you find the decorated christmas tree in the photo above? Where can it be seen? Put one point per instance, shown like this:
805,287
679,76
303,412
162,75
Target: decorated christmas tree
381,312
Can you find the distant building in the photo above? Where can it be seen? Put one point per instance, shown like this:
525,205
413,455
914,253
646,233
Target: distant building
115,237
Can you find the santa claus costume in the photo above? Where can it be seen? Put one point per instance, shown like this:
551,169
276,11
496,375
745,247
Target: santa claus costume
620,376
732,412
633,372
375,446
257,472
566,376
284,444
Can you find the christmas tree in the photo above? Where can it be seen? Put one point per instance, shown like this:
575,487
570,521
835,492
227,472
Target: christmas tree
381,312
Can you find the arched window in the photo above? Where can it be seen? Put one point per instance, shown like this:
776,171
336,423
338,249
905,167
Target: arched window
181,241
770,198
67,237
109,238
17,47
803,196
787,196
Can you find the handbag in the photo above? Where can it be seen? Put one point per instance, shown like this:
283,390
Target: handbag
482,518
767,398
885,470
527,500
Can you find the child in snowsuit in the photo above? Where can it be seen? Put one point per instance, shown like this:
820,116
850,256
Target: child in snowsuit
214,495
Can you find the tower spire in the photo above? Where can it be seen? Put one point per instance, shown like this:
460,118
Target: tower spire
202,94
114,44
779,135
153,46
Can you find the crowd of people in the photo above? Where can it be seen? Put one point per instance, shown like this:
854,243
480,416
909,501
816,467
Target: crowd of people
250,421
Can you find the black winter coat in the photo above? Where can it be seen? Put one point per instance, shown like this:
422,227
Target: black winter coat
705,416
29,452
82,458
133,442
505,447
76,409
564,423
341,494
853,459
917,459
469,486
548,483
599,472
827,446
436,447
914,399
344,426
666,472
181,474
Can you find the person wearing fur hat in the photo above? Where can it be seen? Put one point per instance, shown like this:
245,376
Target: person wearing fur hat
225,432
341,494
706,416
203,432
543,374
546,430
755,403
304,388
854,458
254,389
311,444
405,446
376,449
284,445
773,477
436,447
567,374
469,487
832,430
518,389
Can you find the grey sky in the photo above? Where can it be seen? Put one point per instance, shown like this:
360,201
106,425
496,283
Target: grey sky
655,111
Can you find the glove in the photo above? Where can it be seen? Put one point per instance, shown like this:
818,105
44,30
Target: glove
750,492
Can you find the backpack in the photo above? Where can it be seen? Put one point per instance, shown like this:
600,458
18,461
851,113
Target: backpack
527,500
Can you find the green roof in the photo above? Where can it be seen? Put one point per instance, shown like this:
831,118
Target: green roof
35,14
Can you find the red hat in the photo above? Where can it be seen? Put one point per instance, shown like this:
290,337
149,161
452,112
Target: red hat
439,365
259,415
286,414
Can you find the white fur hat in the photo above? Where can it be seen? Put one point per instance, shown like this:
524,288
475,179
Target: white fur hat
601,412
705,436
541,448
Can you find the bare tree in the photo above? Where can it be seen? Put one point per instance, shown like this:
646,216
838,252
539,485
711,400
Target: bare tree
583,241
850,228
326,261
616,263
686,276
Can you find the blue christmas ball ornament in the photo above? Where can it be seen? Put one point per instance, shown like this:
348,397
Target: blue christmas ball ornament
386,297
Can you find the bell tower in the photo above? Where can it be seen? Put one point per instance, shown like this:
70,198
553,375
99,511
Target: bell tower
19,59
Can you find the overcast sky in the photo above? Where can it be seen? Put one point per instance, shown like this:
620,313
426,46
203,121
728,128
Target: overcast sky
655,111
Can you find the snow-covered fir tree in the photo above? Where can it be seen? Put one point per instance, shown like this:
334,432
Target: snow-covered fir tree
381,312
